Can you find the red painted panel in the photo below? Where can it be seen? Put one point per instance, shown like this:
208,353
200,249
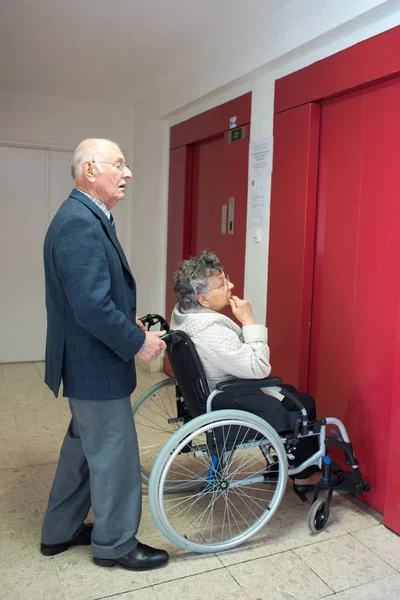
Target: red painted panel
392,500
336,255
292,227
207,196
236,160
212,122
377,289
178,215
220,171
371,60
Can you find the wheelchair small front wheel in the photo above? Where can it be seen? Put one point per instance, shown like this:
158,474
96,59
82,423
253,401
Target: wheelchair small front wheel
318,515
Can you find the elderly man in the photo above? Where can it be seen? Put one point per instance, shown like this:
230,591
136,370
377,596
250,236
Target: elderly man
92,337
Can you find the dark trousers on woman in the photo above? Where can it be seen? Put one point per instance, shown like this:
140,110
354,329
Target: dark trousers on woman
270,409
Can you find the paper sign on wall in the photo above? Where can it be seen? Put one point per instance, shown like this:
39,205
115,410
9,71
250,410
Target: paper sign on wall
232,122
261,156
258,205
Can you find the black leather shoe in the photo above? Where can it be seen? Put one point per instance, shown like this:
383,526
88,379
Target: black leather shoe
83,538
141,558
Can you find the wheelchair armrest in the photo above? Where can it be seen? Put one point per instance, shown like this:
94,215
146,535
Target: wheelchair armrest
247,385
250,386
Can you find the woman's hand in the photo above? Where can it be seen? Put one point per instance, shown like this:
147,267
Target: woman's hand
242,310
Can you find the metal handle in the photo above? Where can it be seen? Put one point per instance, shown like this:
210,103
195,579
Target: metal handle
223,218
231,216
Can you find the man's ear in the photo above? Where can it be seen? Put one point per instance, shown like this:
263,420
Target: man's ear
203,300
88,171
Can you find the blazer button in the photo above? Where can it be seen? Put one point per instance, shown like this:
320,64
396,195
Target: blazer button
131,284
133,309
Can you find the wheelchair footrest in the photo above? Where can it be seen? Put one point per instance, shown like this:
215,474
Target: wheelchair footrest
348,481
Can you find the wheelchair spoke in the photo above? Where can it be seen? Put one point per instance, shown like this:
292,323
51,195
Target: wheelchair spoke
243,463
156,419
231,499
242,494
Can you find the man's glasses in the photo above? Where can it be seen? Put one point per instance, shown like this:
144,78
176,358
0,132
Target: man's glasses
120,165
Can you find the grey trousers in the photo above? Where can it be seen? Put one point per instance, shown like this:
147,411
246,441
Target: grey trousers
98,466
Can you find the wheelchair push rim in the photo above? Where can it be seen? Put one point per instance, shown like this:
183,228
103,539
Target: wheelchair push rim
234,499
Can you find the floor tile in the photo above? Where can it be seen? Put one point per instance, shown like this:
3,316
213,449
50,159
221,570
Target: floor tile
159,376
12,450
213,585
286,530
387,588
23,499
32,428
349,515
383,542
28,575
343,561
83,580
142,594
279,577
19,371
181,563
40,367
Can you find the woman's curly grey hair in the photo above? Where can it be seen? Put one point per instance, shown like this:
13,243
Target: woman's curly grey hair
191,279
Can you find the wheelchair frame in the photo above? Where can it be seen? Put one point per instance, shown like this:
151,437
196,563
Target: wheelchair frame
181,442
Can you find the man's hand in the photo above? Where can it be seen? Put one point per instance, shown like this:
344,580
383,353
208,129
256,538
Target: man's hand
242,310
153,346
140,324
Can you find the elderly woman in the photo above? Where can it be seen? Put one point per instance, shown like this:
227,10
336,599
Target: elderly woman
203,291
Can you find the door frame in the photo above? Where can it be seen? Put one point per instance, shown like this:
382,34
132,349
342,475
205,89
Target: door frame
372,61
183,136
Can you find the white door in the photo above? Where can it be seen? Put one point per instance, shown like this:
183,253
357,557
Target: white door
33,184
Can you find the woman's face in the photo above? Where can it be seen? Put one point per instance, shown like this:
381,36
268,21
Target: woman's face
219,292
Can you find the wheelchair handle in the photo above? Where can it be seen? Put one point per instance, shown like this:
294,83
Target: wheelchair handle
166,338
153,319
296,401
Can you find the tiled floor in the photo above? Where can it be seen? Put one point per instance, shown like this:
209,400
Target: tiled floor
356,558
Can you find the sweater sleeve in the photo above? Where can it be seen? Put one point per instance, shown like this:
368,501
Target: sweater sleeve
247,359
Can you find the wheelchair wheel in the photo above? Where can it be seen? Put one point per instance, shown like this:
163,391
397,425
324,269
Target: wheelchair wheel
318,515
233,498
156,419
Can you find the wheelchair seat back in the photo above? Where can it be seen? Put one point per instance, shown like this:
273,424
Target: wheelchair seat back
188,372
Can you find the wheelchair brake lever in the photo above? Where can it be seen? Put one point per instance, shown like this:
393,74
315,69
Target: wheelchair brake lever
336,435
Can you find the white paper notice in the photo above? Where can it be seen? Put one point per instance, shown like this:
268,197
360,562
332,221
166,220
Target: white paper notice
258,205
261,156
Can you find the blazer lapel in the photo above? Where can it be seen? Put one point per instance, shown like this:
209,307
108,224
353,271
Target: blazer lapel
109,229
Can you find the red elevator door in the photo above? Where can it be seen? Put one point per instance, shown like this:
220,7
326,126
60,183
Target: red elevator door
220,174
356,276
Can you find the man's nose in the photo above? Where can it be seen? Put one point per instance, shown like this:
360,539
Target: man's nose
127,173
231,286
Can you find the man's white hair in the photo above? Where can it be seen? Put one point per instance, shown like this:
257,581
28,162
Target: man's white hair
89,150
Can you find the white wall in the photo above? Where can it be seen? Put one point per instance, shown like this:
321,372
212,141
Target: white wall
149,214
47,121
261,84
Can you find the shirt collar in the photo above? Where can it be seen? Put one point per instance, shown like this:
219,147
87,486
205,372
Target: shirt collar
101,205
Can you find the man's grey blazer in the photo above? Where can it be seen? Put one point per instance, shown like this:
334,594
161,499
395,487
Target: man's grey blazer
91,305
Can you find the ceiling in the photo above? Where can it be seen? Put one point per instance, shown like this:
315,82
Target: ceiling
122,50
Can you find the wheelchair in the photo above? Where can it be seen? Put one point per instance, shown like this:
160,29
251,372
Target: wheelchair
216,477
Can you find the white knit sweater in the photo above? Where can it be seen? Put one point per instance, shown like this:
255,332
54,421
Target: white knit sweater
224,349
